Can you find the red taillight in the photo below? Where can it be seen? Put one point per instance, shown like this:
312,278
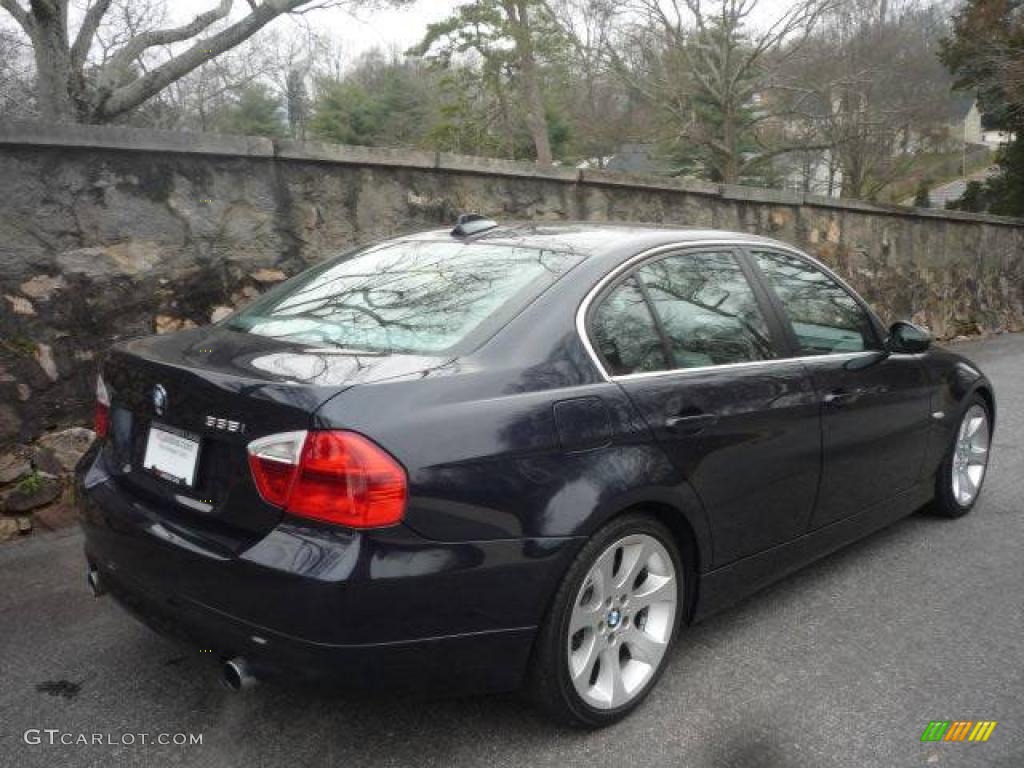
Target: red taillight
274,461
336,476
101,417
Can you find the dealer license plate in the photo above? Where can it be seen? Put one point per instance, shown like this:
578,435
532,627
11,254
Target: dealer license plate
171,455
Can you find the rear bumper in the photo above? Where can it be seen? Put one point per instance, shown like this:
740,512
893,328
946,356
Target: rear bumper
313,603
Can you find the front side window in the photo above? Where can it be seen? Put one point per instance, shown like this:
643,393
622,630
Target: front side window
625,333
707,309
419,297
826,319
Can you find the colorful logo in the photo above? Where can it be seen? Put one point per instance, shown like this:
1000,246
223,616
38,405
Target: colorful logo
958,730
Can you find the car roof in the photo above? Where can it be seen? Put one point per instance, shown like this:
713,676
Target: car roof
588,238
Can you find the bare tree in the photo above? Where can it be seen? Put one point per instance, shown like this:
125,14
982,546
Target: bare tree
511,38
71,87
520,26
705,68
16,98
603,113
869,85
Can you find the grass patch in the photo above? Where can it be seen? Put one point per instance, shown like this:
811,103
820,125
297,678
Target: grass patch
19,345
30,484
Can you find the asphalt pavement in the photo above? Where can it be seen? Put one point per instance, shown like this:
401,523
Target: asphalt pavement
842,664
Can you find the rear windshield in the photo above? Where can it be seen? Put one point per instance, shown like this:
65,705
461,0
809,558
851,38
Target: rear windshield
413,296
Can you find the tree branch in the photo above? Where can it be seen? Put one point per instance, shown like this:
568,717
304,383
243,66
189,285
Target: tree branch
144,40
20,14
120,100
87,33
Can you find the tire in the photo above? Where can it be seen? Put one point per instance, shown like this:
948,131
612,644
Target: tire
603,670
958,484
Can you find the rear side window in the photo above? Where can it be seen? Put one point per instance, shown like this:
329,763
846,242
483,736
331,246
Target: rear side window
687,310
414,296
707,309
825,318
625,333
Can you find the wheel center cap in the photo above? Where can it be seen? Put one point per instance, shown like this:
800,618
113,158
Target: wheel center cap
614,617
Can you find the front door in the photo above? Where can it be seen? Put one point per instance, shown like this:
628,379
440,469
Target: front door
699,352
874,405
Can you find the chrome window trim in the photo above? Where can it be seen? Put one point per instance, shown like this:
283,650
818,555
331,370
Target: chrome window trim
696,245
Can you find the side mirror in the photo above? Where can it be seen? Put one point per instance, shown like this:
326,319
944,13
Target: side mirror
907,338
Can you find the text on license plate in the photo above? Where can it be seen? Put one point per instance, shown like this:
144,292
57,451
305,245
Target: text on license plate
172,456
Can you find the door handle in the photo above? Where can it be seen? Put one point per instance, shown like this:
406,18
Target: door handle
840,397
691,425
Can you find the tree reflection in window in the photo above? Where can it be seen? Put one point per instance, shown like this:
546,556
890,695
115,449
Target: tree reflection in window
825,317
625,333
413,296
707,309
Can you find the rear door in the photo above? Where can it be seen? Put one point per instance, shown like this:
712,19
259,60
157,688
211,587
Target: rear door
874,405
695,345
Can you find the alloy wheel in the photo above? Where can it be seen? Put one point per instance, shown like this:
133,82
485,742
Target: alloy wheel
970,455
622,621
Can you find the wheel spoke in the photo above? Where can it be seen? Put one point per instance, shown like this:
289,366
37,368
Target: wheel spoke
585,617
654,589
967,486
644,648
962,433
606,571
974,474
581,662
611,682
634,559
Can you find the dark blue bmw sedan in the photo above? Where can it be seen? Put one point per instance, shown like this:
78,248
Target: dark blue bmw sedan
509,456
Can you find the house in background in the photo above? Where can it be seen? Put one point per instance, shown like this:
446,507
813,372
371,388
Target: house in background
997,139
635,157
965,122
958,125
813,171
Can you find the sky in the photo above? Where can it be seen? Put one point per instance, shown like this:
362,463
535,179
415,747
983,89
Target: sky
398,28
389,28
359,31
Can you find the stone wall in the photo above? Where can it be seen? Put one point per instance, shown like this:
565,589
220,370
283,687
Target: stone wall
107,233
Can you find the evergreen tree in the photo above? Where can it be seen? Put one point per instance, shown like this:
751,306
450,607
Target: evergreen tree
256,112
986,53
921,198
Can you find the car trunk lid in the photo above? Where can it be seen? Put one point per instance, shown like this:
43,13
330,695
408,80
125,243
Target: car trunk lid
223,389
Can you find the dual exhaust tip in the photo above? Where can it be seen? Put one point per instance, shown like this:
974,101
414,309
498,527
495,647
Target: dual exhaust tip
235,673
95,585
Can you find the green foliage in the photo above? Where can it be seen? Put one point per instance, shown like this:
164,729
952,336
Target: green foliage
30,484
986,44
463,124
985,48
256,112
710,128
345,113
921,198
484,89
1005,190
380,103
973,199
19,345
